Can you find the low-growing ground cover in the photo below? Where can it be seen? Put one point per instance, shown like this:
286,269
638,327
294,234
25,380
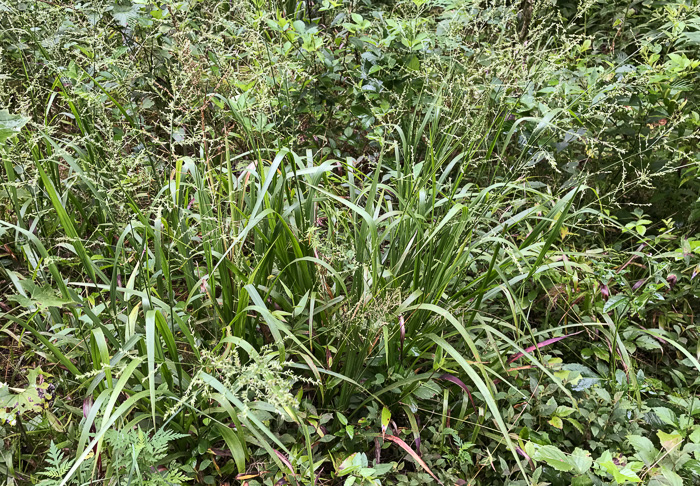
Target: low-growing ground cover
349,242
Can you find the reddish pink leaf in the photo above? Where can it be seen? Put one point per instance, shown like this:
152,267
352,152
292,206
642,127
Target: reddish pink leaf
284,459
412,453
87,405
544,343
417,441
460,384
524,454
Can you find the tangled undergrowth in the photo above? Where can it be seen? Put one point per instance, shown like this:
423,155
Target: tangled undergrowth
349,242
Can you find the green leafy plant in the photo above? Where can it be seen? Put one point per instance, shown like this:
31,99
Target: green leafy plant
394,242
139,458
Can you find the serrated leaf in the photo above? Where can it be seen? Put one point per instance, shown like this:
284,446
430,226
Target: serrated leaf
666,415
644,447
581,461
671,477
